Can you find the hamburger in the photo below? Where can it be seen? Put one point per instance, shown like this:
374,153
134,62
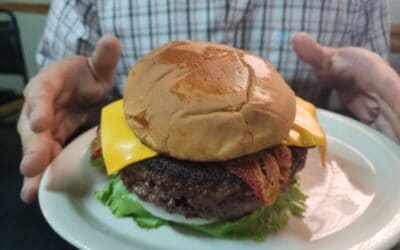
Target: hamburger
207,137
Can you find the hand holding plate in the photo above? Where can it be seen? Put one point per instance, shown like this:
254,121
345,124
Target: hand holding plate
365,82
64,96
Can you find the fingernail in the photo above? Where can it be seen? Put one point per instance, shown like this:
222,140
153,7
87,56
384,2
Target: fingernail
33,119
24,193
26,168
37,123
31,116
22,166
294,35
298,36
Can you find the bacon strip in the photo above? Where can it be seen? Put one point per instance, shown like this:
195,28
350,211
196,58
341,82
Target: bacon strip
261,172
96,147
283,157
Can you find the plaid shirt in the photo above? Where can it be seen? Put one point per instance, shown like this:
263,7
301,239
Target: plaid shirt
264,27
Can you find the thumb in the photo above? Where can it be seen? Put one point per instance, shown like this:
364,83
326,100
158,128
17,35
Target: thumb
311,52
105,58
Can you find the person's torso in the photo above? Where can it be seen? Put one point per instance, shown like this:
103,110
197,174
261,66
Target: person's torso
264,27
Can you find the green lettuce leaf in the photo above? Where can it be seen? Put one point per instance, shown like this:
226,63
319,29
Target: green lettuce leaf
254,226
119,200
96,159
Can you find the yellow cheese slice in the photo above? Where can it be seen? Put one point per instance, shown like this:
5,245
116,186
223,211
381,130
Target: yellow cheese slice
306,131
120,146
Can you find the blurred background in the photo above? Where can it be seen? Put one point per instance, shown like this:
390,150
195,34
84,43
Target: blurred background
31,18
20,29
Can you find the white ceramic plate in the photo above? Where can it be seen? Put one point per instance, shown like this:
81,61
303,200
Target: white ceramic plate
354,202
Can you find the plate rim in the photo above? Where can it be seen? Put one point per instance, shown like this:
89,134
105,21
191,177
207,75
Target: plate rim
391,237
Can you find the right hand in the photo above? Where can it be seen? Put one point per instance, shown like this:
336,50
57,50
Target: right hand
59,100
365,83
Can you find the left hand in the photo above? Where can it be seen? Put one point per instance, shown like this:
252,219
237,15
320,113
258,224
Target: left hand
60,99
365,82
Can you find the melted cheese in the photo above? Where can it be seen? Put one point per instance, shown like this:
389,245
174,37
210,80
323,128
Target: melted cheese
306,131
121,147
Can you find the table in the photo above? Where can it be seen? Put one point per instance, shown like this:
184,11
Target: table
22,226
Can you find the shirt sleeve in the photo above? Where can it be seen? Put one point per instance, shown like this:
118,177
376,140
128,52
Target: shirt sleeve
372,27
72,28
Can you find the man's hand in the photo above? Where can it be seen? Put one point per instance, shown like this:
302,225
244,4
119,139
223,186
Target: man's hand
59,100
366,84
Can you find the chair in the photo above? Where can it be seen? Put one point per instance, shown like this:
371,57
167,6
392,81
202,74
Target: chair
11,63
12,58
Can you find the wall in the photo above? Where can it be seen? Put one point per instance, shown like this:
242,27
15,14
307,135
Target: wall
31,27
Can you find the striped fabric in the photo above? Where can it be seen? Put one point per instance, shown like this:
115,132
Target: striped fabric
264,27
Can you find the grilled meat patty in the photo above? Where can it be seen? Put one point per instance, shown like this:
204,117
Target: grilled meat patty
206,190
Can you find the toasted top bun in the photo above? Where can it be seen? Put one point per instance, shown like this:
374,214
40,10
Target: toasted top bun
203,101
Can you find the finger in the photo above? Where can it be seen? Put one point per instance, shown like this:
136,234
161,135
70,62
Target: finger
37,155
66,123
365,107
30,189
308,50
57,147
39,98
36,148
383,125
392,119
372,104
105,58
370,71
388,87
